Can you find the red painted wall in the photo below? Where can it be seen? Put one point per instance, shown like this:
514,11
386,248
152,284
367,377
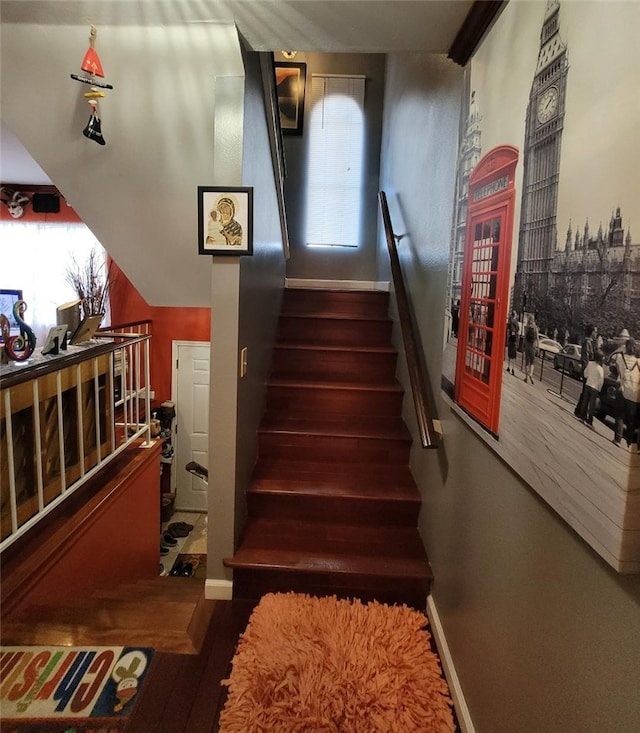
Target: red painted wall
104,535
168,324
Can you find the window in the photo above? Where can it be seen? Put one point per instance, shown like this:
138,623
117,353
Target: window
336,160
36,260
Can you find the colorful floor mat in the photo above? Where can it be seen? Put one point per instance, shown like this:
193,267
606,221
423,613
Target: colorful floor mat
69,689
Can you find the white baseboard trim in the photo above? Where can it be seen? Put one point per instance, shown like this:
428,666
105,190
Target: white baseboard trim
218,590
460,704
337,284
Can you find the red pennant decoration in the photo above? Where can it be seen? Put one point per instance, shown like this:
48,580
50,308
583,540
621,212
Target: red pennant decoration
91,63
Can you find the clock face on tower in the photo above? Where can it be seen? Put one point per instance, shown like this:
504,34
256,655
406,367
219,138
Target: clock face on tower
547,104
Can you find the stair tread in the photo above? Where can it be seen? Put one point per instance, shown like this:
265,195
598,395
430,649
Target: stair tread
106,613
336,489
338,472
334,315
375,427
321,346
343,545
161,589
323,384
61,634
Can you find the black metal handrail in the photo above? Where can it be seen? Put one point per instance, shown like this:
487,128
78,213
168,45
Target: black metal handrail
429,437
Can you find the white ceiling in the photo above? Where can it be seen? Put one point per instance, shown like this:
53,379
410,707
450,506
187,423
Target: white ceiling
334,26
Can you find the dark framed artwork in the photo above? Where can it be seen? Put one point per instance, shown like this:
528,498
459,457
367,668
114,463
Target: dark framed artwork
291,81
225,220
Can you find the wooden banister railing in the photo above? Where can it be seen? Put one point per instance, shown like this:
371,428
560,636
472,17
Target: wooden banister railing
276,140
429,437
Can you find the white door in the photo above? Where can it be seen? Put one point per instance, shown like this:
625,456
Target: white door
191,396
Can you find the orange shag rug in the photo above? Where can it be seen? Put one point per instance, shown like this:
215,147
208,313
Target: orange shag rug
324,665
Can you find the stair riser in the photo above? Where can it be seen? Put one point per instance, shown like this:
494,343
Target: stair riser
350,473
332,509
327,365
330,331
333,448
355,303
297,400
254,583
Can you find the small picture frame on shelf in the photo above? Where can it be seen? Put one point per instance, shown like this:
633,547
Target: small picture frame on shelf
87,329
225,220
56,340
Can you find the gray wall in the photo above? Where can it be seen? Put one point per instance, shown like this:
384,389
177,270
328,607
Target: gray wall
337,263
544,636
246,293
261,280
137,193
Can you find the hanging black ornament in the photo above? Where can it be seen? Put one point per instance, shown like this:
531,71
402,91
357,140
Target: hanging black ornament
93,129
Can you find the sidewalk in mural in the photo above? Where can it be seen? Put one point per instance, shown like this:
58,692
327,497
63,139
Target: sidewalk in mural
560,457
70,688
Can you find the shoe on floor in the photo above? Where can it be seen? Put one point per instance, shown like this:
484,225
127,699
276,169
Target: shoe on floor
179,529
169,540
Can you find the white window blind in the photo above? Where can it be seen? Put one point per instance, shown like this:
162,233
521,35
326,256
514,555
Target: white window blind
335,166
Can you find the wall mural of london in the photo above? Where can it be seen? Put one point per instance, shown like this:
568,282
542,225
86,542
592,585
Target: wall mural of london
542,336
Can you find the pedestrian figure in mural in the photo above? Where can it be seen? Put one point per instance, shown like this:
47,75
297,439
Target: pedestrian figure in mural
587,354
455,318
628,367
593,381
530,346
513,328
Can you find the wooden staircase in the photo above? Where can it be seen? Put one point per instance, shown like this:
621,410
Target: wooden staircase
165,613
332,506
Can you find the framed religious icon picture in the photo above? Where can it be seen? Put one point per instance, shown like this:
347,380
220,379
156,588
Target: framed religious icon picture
225,220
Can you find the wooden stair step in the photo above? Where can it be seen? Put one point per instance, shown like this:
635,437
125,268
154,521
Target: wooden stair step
108,613
324,385
334,362
157,589
168,614
346,426
61,633
325,502
343,398
336,300
380,550
334,330
387,564
340,486
336,438
345,473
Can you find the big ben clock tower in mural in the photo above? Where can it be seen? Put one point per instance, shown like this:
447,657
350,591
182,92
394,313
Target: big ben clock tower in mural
543,136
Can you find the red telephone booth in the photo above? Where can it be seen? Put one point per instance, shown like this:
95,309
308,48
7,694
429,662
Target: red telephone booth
484,302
